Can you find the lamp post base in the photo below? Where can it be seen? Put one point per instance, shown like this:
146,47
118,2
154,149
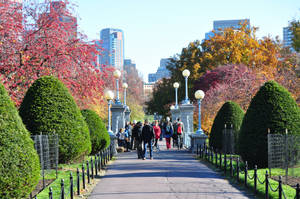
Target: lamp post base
199,131
197,139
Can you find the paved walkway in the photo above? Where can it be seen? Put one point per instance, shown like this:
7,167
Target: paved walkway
171,174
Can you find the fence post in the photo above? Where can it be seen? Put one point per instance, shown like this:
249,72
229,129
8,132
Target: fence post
246,173
216,157
88,172
238,169
92,168
231,169
267,185
225,163
78,182
220,159
71,186
50,193
96,166
280,187
255,179
62,189
83,177
99,162
298,191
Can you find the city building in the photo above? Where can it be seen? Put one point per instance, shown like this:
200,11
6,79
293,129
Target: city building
220,25
129,65
112,44
162,71
148,90
287,37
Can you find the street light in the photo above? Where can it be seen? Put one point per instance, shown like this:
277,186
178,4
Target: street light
109,96
186,73
117,75
199,95
125,86
172,107
176,86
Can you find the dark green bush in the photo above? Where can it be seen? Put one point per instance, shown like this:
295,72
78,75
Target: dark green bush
99,136
272,107
229,113
49,108
19,162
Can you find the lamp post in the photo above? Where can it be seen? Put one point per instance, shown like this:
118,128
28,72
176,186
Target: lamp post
199,95
125,86
172,107
186,73
176,86
117,75
109,96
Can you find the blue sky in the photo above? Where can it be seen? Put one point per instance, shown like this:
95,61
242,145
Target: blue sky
156,29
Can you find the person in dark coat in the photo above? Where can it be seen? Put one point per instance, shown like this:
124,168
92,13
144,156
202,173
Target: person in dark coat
147,136
137,136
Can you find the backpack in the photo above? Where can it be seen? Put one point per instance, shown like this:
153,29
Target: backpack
179,129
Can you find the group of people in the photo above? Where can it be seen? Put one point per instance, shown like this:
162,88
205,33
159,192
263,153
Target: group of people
141,136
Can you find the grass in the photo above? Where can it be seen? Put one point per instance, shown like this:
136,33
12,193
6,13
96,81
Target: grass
64,171
288,191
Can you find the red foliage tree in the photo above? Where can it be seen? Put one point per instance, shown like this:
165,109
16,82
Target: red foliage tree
42,39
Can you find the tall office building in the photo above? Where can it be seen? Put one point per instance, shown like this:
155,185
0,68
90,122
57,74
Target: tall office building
287,37
129,65
112,43
220,25
162,71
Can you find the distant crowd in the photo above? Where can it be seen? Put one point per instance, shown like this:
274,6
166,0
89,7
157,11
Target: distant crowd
140,136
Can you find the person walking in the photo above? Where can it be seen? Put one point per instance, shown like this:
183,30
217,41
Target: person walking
157,132
128,129
137,136
168,128
179,132
147,136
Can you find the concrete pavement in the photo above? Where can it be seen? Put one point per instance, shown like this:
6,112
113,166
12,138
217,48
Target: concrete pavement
172,174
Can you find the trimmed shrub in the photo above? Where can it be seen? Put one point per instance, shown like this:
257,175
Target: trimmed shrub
19,162
98,133
272,107
49,108
229,113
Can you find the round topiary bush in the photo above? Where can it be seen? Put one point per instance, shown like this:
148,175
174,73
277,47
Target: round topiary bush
272,107
229,113
99,136
49,108
19,162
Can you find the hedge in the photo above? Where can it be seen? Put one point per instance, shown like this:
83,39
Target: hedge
229,113
99,136
49,108
19,162
272,107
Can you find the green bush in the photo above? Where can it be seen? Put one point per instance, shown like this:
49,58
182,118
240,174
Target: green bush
49,108
229,113
272,107
99,136
19,162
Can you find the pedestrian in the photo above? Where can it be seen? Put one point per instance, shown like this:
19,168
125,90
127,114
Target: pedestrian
128,129
179,130
121,137
175,136
168,127
157,132
137,136
147,136
161,125
132,147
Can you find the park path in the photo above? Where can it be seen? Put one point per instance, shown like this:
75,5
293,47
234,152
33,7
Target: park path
172,174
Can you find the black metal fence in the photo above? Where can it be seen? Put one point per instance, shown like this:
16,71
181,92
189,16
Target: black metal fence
89,170
235,170
284,153
46,147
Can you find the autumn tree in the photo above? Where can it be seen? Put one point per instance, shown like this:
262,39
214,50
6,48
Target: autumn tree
42,39
295,28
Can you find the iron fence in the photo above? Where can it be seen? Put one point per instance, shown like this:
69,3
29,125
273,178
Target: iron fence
210,155
284,153
84,175
47,149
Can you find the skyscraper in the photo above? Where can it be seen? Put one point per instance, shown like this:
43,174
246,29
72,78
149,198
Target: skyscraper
112,43
287,37
162,71
220,25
